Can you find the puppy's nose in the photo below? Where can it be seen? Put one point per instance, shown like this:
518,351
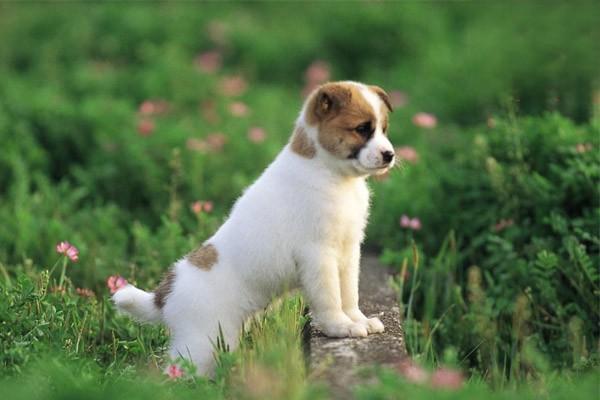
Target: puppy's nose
388,156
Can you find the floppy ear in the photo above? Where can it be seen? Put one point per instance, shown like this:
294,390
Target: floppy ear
383,96
328,101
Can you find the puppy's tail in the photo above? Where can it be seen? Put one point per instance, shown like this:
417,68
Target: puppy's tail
138,304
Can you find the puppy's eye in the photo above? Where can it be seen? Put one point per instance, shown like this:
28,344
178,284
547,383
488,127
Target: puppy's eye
364,129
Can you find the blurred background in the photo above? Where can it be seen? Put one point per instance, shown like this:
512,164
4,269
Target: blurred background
130,129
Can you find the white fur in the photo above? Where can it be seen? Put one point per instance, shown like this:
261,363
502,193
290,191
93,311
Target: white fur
300,224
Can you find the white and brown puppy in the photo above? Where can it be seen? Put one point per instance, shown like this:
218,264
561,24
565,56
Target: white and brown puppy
301,223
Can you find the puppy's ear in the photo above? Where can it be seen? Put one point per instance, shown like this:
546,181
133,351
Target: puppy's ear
328,101
383,96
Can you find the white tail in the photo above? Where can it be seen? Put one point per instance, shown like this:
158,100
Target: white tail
137,303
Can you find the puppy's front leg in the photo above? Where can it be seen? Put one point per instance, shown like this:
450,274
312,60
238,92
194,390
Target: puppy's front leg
349,271
319,276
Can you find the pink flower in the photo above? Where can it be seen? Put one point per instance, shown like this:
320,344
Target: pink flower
207,206
317,73
198,206
68,250
233,85
424,120
405,221
446,378
410,223
257,134
174,371
72,253
145,127
215,141
398,98
415,224
412,372
238,109
153,107
62,247
209,61
407,153
115,282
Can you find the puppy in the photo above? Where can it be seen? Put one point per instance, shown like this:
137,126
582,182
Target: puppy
301,223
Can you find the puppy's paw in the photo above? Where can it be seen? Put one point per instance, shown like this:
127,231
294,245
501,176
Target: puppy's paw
374,325
351,329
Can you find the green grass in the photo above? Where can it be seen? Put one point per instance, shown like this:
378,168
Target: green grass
515,90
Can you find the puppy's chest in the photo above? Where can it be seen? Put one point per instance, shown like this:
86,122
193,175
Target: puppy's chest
345,213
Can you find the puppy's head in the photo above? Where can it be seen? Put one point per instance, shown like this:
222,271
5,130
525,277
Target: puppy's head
350,123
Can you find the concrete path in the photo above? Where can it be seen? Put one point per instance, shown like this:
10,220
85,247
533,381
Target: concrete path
338,361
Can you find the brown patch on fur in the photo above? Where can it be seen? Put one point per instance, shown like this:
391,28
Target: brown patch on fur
302,144
383,96
337,109
204,257
164,288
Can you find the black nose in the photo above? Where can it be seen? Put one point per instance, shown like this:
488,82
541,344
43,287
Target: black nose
388,156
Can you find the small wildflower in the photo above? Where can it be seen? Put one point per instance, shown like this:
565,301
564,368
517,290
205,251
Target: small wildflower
233,85
198,206
216,141
405,221
257,134
412,372
84,292
415,224
238,109
174,371
445,378
398,99
425,120
145,127
115,282
62,247
207,206
408,154
410,223
73,253
317,73
153,107
68,250
209,61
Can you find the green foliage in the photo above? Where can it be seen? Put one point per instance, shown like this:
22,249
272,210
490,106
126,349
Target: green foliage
515,286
